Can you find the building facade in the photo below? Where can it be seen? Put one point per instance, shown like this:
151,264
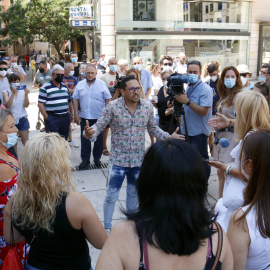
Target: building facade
232,32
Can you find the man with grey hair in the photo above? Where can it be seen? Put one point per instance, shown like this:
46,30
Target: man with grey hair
181,65
70,81
123,67
54,103
93,95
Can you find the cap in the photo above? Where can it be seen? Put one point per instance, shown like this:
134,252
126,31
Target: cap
243,69
102,54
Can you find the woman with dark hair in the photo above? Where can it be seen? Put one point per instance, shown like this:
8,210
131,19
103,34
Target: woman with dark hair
171,228
228,86
263,88
249,228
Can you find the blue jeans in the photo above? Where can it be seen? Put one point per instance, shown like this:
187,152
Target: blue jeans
117,176
86,144
200,143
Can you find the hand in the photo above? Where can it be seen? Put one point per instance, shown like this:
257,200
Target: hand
154,103
220,121
177,136
46,117
169,111
16,69
183,98
89,131
169,104
26,91
77,119
14,90
217,164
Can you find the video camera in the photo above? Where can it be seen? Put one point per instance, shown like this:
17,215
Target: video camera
176,87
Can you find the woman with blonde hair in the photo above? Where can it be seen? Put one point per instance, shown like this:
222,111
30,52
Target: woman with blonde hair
47,212
252,113
229,86
155,74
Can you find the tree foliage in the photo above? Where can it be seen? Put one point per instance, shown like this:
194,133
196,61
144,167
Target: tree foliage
46,20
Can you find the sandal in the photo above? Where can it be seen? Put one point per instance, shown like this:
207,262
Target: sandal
105,152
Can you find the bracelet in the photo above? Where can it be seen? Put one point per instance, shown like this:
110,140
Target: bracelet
75,112
71,113
230,123
228,170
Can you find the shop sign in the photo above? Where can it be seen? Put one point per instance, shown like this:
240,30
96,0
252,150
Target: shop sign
80,12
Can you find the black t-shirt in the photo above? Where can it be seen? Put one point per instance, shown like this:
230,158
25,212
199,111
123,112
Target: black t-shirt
76,71
164,120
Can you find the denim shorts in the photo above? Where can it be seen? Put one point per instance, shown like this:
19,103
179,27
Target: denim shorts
23,124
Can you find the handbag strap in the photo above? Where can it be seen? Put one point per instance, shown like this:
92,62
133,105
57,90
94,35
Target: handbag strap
220,245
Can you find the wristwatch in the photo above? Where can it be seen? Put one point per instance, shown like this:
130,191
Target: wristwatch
188,103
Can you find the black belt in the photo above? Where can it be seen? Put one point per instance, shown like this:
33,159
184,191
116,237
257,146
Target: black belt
59,115
230,129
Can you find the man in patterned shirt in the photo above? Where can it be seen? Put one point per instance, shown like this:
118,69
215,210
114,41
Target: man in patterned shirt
129,117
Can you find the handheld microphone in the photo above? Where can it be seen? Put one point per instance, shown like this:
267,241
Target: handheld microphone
223,142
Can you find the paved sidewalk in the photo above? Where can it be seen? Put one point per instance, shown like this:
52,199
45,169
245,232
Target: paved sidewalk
92,183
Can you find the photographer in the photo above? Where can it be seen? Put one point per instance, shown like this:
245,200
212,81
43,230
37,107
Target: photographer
198,100
14,68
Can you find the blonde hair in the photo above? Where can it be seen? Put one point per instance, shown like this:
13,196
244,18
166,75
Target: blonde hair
44,178
138,77
252,112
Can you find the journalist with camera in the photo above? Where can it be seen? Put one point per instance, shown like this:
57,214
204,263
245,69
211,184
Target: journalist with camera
197,103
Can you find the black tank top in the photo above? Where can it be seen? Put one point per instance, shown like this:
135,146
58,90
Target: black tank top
65,248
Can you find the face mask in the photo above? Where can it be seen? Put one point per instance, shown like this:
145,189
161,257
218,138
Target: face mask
83,74
213,78
193,78
74,60
229,83
13,85
59,79
168,68
165,83
244,80
91,80
71,73
41,70
12,139
113,68
3,73
149,66
138,67
242,169
262,78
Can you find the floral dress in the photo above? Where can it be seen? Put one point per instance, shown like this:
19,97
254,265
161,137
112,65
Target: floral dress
7,188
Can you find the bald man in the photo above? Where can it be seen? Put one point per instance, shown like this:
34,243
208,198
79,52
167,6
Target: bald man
109,78
146,79
70,81
181,65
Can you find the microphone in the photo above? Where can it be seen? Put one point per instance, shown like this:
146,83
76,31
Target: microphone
223,142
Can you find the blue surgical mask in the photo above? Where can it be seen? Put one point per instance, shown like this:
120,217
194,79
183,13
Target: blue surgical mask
13,85
74,59
12,139
262,78
71,73
138,67
83,74
229,83
193,78
113,68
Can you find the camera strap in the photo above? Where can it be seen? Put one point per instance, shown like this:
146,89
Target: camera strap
189,93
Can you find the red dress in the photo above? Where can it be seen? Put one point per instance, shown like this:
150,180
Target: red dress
7,188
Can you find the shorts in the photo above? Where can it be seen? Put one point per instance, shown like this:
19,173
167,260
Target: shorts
23,124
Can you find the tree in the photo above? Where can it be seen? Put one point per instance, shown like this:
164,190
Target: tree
47,20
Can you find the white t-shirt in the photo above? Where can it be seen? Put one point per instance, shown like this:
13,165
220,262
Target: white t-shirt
108,79
157,83
3,85
17,108
181,68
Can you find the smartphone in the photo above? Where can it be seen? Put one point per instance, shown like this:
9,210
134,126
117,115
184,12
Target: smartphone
21,87
210,159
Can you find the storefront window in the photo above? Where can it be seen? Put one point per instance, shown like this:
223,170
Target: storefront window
180,15
266,44
228,50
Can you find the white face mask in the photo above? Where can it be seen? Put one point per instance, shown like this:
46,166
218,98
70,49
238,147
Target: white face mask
165,83
214,78
244,80
3,73
168,68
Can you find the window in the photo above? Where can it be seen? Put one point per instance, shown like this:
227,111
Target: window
219,6
206,9
143,10
211,7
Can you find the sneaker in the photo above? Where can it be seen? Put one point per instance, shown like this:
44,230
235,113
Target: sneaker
97,163
84,165
73,125
108,231
73,144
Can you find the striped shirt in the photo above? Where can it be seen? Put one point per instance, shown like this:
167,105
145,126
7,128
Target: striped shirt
55,99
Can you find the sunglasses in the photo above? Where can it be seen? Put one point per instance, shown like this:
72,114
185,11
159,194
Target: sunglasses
168,64
133,89
3,69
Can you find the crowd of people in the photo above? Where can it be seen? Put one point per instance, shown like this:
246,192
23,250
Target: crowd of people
168,224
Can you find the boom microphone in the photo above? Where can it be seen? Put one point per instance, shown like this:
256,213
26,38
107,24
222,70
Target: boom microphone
223,142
